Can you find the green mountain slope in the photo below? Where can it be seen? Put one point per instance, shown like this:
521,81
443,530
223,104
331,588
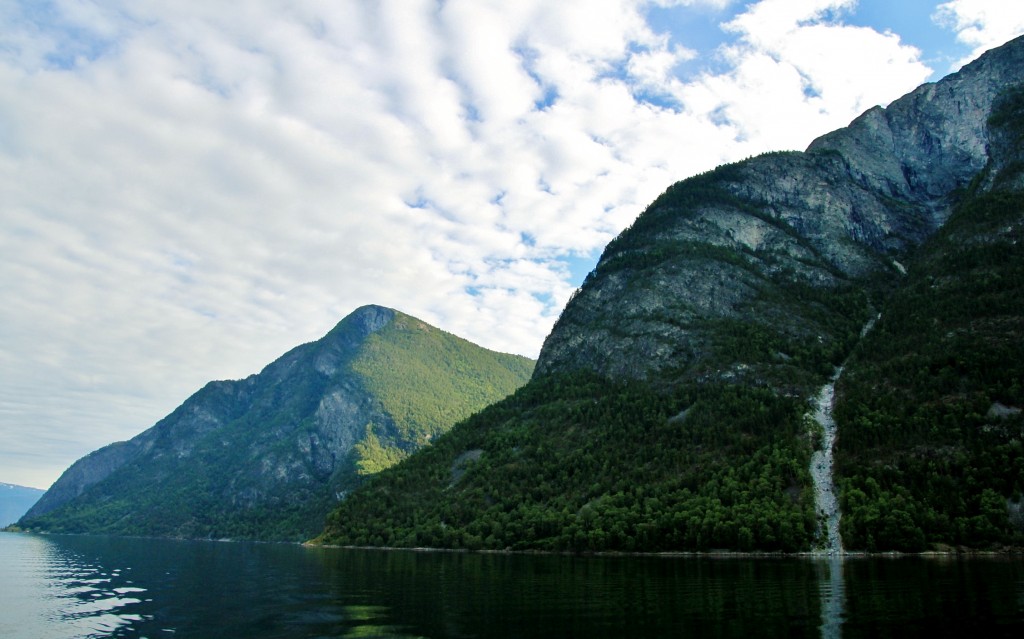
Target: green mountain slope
671,406
268,456
582,463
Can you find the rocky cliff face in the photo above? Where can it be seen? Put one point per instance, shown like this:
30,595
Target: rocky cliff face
783,249
931,141
266,456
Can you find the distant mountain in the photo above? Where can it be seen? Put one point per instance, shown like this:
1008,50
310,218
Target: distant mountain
15,502
268,456
671,407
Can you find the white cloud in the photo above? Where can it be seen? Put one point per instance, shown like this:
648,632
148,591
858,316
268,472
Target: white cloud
713,4
191,188
981,24
811,72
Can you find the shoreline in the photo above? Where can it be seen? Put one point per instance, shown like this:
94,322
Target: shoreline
1009,552
938,553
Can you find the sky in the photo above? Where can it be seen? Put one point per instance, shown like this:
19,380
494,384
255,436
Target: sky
189,189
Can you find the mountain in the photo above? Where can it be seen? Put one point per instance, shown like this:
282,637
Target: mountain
673,404
267,456
15,502
931,403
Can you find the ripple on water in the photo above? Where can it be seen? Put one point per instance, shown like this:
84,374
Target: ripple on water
62,594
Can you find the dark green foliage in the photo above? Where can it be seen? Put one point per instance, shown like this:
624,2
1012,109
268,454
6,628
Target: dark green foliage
925,452
1007,126
814,331
1008,112
580,463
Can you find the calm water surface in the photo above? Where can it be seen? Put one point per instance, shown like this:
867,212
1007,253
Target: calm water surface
60,587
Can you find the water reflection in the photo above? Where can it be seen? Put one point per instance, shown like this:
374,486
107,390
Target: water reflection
832,590
106,587
486,595
92,599
73,594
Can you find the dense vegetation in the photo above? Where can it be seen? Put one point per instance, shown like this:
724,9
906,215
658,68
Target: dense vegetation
581,463
930,448
427,380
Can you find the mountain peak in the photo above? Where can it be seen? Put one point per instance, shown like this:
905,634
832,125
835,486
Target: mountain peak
373,315
364,321
266,456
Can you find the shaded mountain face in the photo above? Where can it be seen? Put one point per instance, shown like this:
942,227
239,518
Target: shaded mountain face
267,456
670,408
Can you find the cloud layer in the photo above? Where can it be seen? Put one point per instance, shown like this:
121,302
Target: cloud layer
191,188
981,24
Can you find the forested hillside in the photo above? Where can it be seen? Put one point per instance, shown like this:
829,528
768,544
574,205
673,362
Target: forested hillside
672,404
582,463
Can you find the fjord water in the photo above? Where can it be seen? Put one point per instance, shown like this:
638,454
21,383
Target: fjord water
60,587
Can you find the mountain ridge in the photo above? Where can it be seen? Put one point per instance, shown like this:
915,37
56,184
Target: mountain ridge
264,456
